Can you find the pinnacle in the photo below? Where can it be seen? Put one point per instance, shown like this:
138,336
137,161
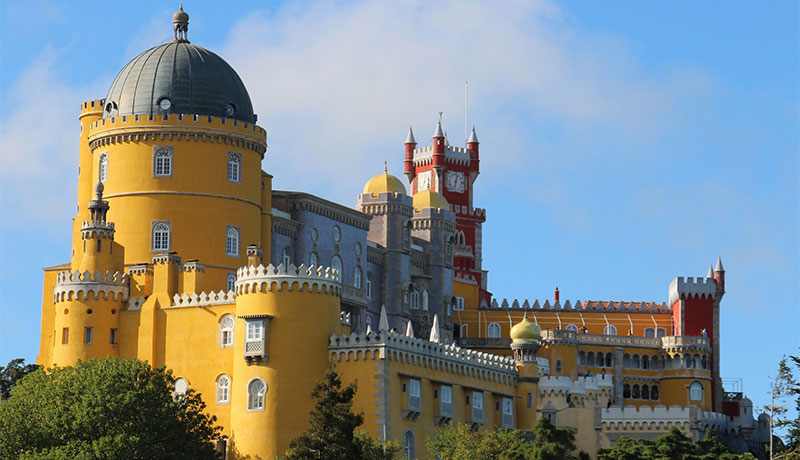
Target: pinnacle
410,138
719,267
473,137
438,132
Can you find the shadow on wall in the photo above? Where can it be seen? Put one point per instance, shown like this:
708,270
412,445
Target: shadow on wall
234,454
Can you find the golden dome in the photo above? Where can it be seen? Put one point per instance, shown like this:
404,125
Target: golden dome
525,331
429,199
384,183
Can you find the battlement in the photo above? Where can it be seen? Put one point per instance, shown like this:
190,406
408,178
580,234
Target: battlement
97,229
454,155
581,385
466,211
203,128
421,352
74,285
684,287
260,279
193,266
583,306
92,107
203,299
135,303
670,343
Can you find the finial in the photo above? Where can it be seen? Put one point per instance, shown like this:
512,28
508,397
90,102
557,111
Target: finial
180,25
410,330
383,324
473,137
438,132
710,272
410,138
98,190
385,168
719,267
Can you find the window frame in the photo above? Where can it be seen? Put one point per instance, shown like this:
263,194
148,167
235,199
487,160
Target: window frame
113,336
226,334
368,286
161,152
153,237
358,276
693,387
226,390
409,445
460,304
235,232
256,402
340,267
102,167
234,164
230,282
493,327
88,335
610,328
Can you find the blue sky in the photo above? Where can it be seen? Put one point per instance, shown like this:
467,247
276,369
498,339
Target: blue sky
623,144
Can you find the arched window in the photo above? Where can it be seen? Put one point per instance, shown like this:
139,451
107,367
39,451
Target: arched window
649,332
409,446
494,331
654,393
312,259
626,361
256,390
226,325
705,362
572,327
161,236
610,329
162,162
637,364
102,168
336,264
696,391
414,302
635,392
232,242
181,386
230,285
626,391
581,358
609,360
696,362
687,361
645,362
369,286
645,392
357,278
234,167
590,358
286,257
223,389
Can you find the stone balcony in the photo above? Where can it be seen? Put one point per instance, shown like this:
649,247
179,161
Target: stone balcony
354,296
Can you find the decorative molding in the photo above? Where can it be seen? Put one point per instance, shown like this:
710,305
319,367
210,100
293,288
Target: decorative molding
175,192
285,226
70,285
260,279
681,288
329,209
203,300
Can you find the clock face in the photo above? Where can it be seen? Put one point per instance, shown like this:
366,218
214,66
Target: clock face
424,181
165,103
455,181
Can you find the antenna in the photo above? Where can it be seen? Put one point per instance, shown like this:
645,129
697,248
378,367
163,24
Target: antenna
440,117
466,109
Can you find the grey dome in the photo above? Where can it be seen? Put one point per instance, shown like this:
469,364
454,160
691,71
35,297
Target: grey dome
192,78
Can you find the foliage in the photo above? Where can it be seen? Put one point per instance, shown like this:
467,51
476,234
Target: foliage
671,446
11,374
786,387
459,442
332,423
104,408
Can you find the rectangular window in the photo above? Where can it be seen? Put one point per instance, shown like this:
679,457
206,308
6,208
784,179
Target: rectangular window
446,401
99,245
529,400
255,344
234,167
369,286
113,336
413,387
162,162
447,394
508,414
255,330
477,407
87,335
65,336
414,401
459,304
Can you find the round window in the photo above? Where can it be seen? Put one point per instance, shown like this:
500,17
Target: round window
230,109
314,234
164,103
337,234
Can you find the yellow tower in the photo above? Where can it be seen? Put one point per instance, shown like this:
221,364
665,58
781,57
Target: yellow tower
285,317
88,301
525,340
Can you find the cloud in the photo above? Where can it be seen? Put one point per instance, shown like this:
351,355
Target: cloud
337,83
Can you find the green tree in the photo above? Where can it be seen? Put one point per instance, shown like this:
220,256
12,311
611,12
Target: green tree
11,374
671,446
784,387
551,442
332,423
101,409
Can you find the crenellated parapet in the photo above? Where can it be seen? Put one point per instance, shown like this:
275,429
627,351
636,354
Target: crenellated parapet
583,306
135,303
97,229
683,288
203,299
260,279
194,128
469,212
420,352
668,343
73,285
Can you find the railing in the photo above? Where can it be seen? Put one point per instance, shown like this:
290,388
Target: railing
414,404
354,296
549,335
483,342
446,409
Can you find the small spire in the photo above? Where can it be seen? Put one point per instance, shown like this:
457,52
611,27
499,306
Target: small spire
369,328
473,137
710,272
435,330
383,324
439,132
385,167
719,267
410,138
180,25
410,330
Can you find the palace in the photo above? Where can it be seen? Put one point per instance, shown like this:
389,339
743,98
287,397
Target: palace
184,256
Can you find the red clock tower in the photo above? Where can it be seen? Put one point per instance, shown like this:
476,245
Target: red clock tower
452,171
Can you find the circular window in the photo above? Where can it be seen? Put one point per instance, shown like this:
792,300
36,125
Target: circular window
230,109
89,311
358,249
337,234
314,234
165,103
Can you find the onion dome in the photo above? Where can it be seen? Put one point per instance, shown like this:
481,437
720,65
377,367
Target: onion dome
525,331
179,78
430,199
384,183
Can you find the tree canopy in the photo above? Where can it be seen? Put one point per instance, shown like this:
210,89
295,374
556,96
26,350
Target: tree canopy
331,434
11,374
101,409
671,446
784,387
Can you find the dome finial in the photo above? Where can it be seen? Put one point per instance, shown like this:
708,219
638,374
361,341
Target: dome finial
385,167
180,25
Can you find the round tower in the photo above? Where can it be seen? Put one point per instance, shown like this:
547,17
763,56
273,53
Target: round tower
279,309
179,154
88,301
525,341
